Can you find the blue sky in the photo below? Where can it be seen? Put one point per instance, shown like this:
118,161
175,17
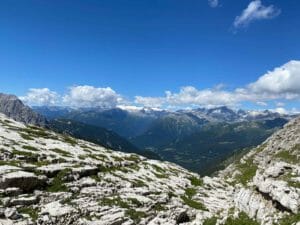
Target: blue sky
147,47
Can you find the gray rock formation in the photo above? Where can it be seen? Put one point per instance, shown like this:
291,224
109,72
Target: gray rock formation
14,108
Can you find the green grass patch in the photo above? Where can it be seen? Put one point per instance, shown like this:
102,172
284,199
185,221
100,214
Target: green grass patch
135,202
136,216
28,147
159,207
58,182
26,137
294,184
247,171
98,156
193,204
133,158
243,219
290,219
139,183
114,201
160,175
190,192
210,221
158,168
36,132
196,181
10,163
171,195
70,140
32,157
118,159
61,152
287,157
29,211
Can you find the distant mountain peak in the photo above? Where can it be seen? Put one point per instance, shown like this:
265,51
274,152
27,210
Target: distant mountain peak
13,107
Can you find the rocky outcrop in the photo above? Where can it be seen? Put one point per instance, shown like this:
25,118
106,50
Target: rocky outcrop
47,178
267,179
12,107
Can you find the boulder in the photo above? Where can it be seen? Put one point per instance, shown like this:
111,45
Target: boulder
20,179
24,201
12,213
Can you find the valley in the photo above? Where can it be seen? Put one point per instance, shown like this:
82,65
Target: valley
198,139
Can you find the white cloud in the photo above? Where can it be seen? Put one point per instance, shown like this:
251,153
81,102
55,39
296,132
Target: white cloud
213,3
89,96
149,101
40,96
191,96
282,82
278,86
261,103
280,110
255,11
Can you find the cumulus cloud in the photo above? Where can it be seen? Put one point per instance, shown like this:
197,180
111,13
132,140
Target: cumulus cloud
40,96
255,11
191,96
89,96
283,83
76,96
278,86
213,3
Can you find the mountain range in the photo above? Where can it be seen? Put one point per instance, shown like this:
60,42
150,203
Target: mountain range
197,139
11,106
49,178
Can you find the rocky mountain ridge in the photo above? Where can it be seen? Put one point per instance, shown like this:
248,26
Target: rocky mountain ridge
214,114
197,139
14,108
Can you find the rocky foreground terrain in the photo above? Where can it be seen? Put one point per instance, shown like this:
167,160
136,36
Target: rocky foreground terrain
48,178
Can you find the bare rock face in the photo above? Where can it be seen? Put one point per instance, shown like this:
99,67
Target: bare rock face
12,107
279,190
19,179
255,205
266,179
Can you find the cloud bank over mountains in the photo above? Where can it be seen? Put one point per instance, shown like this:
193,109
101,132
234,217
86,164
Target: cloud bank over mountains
89,96
41,96
281,84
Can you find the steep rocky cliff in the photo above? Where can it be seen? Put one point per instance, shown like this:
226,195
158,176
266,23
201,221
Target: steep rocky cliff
14,108
267,179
